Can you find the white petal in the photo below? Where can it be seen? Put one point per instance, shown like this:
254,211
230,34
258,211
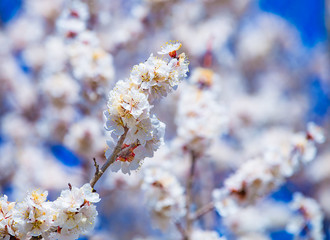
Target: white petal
125,168
135,164
115,167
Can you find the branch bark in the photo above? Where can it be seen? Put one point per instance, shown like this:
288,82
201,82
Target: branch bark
110,160
181,229
202,211
189,197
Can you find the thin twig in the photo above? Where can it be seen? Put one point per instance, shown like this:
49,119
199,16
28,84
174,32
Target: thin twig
181,229
110,160
97,167
189,199
202,211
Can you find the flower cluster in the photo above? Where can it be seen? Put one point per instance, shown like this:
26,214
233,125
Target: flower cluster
129,107
200,118
307,224
256,220
73,20
164,196
72,214
261,175
61,90
85,137
90,63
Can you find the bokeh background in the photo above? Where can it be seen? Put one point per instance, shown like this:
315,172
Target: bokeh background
273,67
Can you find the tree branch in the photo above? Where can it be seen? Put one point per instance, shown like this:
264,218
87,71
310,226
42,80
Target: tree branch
181,229
110,160
202,211
97,167
189,197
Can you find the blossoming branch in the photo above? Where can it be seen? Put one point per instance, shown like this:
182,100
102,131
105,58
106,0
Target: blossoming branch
136,132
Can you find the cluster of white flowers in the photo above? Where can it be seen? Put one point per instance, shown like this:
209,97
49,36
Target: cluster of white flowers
61,89
85,137
258,219
73,19
90,63
130,102
164,196
72,214
308,223
261,175
200,117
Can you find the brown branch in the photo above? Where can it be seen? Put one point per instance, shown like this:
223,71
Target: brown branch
181,229
189,197
97,167
202,211
110,160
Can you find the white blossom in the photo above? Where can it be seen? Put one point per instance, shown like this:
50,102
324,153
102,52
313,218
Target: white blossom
308,222
73,20
33,216
164,196
89,61
62,89
201,117
129,107
170,47
262,175
315,132
85,137
6,222
72,214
